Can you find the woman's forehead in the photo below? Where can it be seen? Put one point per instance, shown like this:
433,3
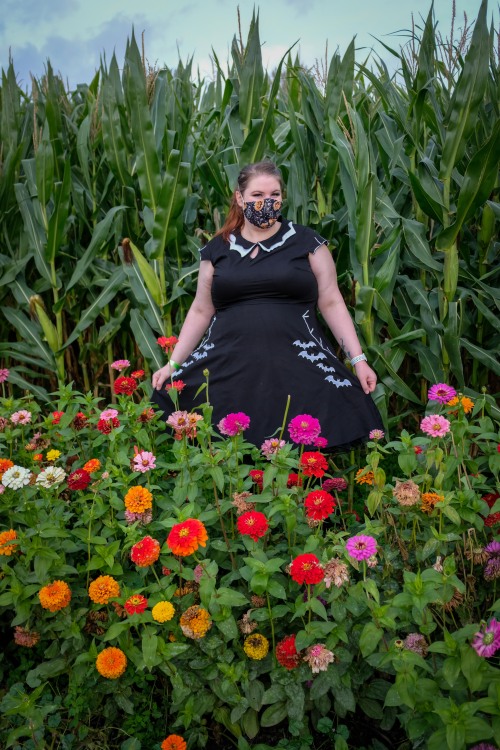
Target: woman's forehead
264,183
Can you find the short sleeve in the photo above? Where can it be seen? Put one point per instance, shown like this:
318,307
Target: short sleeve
212,250
313,240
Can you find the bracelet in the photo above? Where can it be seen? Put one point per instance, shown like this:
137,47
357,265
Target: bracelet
359,358
174,365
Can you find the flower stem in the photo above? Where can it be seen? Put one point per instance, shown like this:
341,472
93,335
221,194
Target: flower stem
272,626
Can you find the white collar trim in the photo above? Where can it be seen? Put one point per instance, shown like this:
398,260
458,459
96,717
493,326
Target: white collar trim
233,245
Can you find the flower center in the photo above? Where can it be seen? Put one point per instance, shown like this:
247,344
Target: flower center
184,532
488,638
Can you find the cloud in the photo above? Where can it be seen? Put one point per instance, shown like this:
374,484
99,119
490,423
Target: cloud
31,12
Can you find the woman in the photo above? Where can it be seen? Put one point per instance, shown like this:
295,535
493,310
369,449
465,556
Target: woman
260,281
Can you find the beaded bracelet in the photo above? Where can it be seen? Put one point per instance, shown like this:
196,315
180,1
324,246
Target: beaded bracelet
359,358
174,365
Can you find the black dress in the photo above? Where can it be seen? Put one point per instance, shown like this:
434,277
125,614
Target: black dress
265,343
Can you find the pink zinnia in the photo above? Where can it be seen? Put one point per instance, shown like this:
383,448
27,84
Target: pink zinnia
272,446
4,374
144,461
441,392
320,442
361,547
435,425
487,641
304,429
234,424
335,483
120,364
108,414
319,657
376,434
21,417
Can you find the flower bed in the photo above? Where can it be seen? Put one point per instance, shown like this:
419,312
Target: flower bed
163,586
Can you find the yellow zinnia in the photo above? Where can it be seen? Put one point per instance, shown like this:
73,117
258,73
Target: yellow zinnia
163,611
52,455
256,646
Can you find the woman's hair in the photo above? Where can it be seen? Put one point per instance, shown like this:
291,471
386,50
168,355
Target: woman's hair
235,219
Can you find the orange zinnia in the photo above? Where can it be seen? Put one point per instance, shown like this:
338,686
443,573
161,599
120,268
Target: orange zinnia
186,537
429,500
367,478
195,622
103,589
138,499
467,403
111,663
5,538
5,463
55,596
173,742
92,465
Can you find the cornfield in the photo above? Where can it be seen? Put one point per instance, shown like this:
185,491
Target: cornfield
398,170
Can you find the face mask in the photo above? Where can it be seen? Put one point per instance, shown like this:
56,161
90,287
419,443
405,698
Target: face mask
263,213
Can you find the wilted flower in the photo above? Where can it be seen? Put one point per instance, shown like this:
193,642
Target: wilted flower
487,641
79,421
257,601
361,547
492,569
25,637
195,622
429,500
406,493
336,572
441,393
438,567
416,643
142,518
270,447
246,625
435,425
16,477
319,658
50,476
334,484
105,426
146,415
256,646
240,502
304,429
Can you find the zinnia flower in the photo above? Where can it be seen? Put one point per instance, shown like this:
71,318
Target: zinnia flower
108,414
318,657
416,643
492,569
183,423
55,596
294,480
138,499
253,524
319,504
487,641
270,447
406,493
144,461
4,374
435,425
186,537
256,646
234,424
167,343
25,637
56,416
163,611
142,518
103,589
125,386
173,742
92,465
138,374
306,568
336,483
441,393
240,502
50,476
136,604
484,746
364,477
21,417
79,480
320,442
111,663
376,434
361,547
5,463
246,625
286,653
16,477
195,622
6,537
257,477
79,421
120,364
429,500
336,572
304,429
313,464
176,385
467,404
53,455
146,552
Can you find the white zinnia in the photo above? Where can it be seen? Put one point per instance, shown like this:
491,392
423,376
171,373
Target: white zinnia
16,477
50,476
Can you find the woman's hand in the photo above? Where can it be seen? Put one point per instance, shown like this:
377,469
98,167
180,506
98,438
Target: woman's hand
160,376
366,376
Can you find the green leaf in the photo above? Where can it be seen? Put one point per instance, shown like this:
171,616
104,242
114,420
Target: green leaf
274,714
230,598
146,340
87,317
100,236
370,638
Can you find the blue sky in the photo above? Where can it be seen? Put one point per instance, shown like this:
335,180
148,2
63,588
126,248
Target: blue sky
74,34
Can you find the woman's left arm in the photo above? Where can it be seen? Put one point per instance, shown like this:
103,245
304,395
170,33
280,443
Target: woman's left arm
333,309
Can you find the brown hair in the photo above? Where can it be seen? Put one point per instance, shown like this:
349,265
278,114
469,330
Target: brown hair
235,219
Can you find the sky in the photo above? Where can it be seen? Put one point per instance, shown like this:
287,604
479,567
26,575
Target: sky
75,34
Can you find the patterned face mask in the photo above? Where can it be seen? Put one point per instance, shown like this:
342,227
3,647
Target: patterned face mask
263,213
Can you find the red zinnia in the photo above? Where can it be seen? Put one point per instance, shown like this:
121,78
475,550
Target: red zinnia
286,653
294,480
137,374
56,416
125,385
313,464
79,421
136,604
176,385
319,504
253,524
167,343
306,568
145,552
79,480
107,425
493,518
257,476
186,537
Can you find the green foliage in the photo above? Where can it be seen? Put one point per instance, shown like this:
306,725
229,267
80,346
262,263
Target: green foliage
400,625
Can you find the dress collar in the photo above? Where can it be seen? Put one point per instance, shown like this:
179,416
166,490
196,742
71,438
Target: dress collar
243,246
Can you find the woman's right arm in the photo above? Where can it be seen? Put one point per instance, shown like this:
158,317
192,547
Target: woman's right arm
196,323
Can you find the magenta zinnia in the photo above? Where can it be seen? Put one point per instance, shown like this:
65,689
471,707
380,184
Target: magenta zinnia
435,425
233,424
304,429
487,641
361,547
441,392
